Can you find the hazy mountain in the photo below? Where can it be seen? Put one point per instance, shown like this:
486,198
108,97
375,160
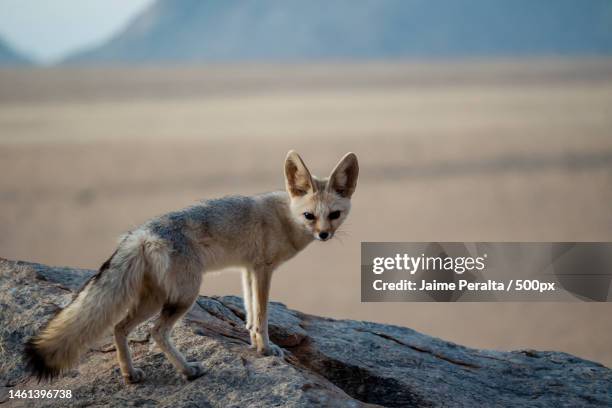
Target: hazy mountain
209,30
10,57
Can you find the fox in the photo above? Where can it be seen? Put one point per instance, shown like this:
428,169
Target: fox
158,268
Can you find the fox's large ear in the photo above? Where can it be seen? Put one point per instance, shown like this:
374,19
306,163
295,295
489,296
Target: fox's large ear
298,180
343,179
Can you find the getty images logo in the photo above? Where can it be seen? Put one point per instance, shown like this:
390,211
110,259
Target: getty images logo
413,264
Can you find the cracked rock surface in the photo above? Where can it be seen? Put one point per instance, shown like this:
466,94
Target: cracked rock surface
336,363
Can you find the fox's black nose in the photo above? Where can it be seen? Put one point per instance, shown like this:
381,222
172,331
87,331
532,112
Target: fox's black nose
323,235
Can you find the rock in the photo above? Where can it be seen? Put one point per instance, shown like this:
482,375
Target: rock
339,363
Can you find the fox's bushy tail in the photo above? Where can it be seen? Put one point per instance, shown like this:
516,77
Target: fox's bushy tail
101,303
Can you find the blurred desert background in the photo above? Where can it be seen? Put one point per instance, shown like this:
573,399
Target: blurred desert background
501,150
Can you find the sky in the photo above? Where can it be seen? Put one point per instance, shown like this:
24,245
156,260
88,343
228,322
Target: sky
47,30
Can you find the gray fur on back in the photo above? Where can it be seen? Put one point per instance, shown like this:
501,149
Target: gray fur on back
208,218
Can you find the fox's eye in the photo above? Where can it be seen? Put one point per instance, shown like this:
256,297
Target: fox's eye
334,215
309,216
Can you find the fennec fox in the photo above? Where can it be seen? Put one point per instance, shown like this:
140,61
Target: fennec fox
159,266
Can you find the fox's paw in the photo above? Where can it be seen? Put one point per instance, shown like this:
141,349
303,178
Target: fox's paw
194,371
136,376
272,350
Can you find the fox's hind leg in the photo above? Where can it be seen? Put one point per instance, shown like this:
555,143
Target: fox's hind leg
145,309
170,314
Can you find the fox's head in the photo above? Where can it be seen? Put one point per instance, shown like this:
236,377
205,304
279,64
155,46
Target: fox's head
320,205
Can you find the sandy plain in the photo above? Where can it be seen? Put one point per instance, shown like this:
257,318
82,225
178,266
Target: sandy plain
449,151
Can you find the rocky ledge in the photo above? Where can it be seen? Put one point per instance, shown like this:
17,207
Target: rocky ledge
335,363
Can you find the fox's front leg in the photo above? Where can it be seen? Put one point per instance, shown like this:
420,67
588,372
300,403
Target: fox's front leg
247,294
259,334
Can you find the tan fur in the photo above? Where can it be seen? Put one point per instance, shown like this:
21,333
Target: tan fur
159,266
